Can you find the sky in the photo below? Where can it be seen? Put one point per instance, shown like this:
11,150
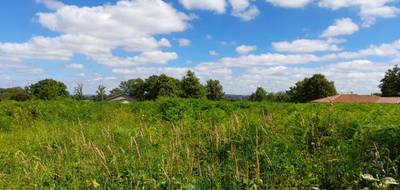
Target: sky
243,43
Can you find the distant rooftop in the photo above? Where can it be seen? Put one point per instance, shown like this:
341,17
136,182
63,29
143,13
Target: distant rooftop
354,98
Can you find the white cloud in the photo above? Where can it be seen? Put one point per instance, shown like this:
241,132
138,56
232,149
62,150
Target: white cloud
217,6
244,49
51,4
183,42
307,46
96,31
144,72
164,42
19,68
74,66
343,26
243,9
369,10
289,3
212,53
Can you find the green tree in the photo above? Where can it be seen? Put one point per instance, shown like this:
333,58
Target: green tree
48,89
161,86
259,95
312,88
215,90
79,92
390,84
168,86
116,92
101,93
134,88
17,94
191,86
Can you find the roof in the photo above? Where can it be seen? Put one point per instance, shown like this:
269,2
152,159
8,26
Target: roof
120,98
354,98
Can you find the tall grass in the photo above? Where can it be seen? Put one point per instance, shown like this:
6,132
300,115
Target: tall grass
197,144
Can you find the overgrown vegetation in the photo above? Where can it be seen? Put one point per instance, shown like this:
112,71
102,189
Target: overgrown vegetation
198,144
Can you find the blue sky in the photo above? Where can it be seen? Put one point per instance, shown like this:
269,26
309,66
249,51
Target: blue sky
243,43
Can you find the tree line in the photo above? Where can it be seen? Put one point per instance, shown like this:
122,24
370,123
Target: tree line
157,86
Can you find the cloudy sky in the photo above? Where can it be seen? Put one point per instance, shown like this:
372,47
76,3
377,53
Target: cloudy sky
243,43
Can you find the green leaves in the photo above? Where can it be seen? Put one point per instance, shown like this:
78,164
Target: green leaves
312,88
390,84
48,89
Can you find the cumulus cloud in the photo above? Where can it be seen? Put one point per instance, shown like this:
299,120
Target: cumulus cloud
212,53
244,9
307,46
183,42
217,6
344,26
51,4
87,31
368,10
245,49
74,66
289,3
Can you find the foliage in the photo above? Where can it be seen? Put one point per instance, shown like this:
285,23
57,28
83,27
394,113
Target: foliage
134,88
161,86
79,92
198,144
191,86
116,92
17,94
259,95
312,88
215,91
101,93
48,89
390,84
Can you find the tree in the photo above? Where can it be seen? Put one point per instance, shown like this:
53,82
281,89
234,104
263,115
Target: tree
312,88
161,86
17,94
168,86
259,95
191,86
79,92
134,88
48,89
215,90
116,92
101,93
390,84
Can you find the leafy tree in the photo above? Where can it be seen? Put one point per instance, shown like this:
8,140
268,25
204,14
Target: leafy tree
390,84
282,97
101,93
215,90
79,92
259,95
312,88
191,86
48,89
134,88
168,86
17,94
116,92
161,86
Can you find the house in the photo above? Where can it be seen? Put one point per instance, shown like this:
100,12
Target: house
354,98
121,99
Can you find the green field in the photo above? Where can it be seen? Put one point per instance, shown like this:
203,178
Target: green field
198,144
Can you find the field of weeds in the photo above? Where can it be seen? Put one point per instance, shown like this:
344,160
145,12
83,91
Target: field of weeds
198,144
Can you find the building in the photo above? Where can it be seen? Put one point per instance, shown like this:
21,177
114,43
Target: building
354,98
121,99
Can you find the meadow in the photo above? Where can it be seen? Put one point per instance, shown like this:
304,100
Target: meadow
198,144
